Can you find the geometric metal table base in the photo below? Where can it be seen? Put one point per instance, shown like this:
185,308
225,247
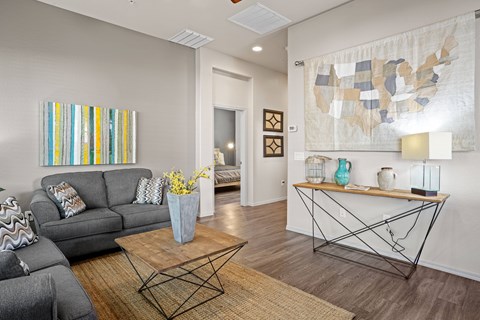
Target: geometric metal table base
408,263
202,282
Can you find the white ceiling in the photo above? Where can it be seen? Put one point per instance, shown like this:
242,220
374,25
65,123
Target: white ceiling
165,18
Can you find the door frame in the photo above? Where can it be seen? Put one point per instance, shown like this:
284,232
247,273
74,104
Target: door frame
242,112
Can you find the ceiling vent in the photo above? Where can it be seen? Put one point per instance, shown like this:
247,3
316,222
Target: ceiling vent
259,19
190,39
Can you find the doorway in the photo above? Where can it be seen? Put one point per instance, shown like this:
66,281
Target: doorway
230,176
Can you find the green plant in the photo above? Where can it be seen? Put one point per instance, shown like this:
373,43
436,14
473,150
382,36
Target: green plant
178,183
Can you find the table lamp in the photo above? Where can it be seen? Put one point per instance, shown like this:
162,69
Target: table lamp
425,178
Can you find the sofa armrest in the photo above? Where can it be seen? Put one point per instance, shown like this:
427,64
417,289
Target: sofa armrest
43,209
31,297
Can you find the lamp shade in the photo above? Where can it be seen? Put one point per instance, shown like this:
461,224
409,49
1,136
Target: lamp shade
427,145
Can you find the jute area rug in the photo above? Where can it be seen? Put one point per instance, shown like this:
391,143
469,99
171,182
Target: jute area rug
112,285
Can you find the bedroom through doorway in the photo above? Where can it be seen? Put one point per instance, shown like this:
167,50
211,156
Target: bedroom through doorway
228,155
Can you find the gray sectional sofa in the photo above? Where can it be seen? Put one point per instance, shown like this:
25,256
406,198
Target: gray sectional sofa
110,212
50,292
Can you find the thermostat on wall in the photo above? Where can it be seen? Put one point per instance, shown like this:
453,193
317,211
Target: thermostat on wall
292,128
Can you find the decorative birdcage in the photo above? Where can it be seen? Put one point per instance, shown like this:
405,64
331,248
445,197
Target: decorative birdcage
315,168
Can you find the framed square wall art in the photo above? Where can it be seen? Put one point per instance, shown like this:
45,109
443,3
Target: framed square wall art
73,134
272,146
272,120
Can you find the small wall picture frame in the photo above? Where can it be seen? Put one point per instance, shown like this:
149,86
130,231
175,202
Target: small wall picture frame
272,146
272,120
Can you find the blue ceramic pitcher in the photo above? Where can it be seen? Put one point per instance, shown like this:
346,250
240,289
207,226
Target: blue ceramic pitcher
342,175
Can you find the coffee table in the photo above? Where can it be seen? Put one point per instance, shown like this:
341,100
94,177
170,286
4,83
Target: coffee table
161,253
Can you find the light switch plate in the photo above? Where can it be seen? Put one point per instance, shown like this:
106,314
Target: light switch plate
292,128
300,156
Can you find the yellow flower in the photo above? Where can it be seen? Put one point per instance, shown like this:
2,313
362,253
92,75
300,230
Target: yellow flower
177,180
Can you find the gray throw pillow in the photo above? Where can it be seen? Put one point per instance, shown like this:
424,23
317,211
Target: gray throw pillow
150,190
15,230
67,199
11,266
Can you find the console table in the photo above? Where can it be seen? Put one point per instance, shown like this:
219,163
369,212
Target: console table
432,205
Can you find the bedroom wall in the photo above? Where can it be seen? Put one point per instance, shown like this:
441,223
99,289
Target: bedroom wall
47,53
267,89
224,129
452,245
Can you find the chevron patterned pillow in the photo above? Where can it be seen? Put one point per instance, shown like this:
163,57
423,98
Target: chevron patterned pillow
150,190
15,230
67,200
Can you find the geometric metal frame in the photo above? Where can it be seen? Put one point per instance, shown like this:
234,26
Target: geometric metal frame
203,282
436,208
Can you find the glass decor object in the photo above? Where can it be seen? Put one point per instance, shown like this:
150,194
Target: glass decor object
315,169
425,178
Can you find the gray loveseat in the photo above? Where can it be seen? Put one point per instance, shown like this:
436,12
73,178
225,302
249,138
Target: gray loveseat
110,213
50,292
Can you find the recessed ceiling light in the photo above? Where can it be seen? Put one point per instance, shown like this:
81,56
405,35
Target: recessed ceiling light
257,49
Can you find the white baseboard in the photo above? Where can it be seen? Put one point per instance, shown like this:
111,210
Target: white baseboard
425,263
206,214
259,203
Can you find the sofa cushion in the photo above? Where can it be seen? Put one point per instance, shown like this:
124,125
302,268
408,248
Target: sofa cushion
90,186
42,254
11,266
72,300
122,184
66,199
15,230
90,222
137,215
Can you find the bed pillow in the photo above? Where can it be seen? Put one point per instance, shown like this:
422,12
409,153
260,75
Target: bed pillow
11,266
150,191
219,159
15,230
67,200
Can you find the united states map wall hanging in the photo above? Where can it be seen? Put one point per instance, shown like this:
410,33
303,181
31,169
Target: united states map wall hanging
73,134
367,97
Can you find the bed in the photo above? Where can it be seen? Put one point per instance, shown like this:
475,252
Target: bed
226,176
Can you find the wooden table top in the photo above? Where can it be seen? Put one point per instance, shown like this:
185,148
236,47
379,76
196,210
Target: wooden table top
161,252
374,191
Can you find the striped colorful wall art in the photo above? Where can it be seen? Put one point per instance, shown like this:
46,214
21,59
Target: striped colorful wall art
73,134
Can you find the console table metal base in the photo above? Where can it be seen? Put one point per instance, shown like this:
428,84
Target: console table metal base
201,282
410,265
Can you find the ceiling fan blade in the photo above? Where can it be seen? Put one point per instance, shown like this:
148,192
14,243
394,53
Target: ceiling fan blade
236,1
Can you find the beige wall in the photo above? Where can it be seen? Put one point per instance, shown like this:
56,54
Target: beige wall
453,243
268,89
50,54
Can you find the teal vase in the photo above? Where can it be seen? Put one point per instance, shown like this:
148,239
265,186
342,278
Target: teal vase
342,175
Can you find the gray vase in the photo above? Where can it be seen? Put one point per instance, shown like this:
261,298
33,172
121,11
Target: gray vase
183,215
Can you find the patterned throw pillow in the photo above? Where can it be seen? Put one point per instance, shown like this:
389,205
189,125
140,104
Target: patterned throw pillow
15,230
150,190
11,266
67,200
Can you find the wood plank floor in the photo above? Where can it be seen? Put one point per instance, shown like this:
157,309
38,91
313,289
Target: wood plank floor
370,294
